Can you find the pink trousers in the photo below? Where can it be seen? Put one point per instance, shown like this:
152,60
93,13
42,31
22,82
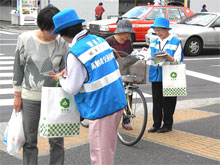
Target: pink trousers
103,139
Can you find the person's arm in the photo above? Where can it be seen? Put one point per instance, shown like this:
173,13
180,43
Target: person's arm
18,74
146,52
76,75
103,9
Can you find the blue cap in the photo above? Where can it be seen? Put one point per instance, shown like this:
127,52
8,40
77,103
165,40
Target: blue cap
161,22
65,19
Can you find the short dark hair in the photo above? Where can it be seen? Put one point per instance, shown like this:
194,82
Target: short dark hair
44,18
100,3
71,31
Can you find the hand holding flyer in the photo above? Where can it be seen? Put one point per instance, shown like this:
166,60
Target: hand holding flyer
160,54
159,57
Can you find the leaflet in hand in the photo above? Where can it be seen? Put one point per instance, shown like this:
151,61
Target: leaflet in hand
160,54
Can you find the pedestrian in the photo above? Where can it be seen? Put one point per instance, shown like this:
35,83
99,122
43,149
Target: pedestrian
204,8
163,107
38,52
99,10
94,79
121,42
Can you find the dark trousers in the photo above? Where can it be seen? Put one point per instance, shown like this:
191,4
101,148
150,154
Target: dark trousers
31,117
163,107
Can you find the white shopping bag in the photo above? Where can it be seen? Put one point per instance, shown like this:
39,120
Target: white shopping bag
59,115
174,80
14,134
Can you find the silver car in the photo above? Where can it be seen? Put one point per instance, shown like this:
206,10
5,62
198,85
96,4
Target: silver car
197,32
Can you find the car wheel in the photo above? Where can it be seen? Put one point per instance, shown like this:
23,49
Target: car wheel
193,47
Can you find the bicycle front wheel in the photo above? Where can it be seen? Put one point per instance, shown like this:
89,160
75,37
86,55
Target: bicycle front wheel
136,115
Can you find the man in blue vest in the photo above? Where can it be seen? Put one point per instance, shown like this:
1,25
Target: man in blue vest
94,79
163,107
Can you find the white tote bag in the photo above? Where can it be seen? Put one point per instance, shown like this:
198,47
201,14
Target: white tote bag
174,80
59,115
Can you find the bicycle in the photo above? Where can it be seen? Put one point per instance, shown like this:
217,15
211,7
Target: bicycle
136,109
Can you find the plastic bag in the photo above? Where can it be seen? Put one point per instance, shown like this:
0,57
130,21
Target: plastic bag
14,134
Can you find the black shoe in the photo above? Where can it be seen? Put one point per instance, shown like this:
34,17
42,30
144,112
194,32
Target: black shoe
163,130
153,129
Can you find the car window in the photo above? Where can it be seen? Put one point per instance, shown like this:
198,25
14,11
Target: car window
174,14
156,12
199,19
217,23
137,12
182,14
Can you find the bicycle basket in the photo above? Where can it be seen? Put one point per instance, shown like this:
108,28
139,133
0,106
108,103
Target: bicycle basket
133,69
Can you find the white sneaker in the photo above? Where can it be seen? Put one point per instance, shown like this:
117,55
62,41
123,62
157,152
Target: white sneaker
85,123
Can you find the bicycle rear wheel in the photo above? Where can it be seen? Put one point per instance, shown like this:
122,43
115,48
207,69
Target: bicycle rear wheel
136,111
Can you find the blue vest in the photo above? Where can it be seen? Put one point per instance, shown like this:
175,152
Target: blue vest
155,72
103,93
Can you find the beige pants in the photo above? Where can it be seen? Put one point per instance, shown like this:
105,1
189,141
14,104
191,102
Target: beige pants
103,139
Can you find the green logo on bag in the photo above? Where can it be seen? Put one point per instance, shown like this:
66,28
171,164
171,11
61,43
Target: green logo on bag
173,75
65,103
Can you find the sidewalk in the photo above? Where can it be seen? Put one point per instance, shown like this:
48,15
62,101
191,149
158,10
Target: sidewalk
195,139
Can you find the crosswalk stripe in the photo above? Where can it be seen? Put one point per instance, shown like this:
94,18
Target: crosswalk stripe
6,68
4,32
203,76
5,82
147,95
1,54
6,74
7,44
7,58
6,91
6,102
6,62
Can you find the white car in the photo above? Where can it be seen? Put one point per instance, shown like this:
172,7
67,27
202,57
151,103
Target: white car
197,32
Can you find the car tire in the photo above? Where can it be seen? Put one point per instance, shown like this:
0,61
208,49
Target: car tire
193,46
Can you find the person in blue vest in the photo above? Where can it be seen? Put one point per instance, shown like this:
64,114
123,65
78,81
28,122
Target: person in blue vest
93,77
163,107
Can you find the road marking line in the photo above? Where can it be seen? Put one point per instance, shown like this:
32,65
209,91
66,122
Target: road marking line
196,59
5,82
4,32
6,91
8,39
6,62
6,74
7,58
145,95
203,76
7,44
6,68
6,102
1,54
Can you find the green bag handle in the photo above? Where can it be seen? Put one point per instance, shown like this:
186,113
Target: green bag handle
57,83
